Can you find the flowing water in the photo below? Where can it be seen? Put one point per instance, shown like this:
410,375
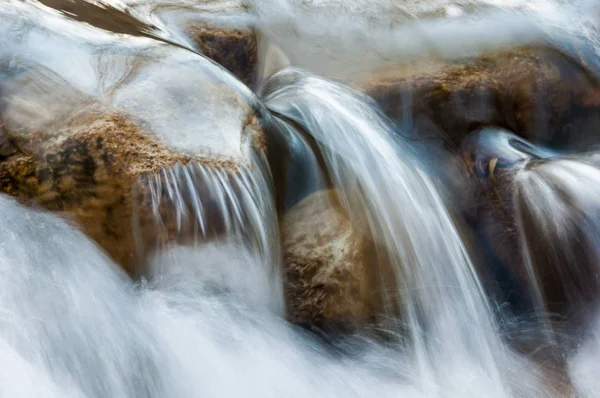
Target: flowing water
205,315
195,203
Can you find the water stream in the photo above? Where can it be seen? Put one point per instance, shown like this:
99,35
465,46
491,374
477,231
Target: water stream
204,314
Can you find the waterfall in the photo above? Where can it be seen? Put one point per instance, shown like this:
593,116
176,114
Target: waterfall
194,204
162,217
437,289
557,213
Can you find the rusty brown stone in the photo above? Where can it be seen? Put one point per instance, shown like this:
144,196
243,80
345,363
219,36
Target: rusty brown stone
527,90
328,283
86,172
87,169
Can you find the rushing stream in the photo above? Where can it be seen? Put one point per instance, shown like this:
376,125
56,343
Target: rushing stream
152,200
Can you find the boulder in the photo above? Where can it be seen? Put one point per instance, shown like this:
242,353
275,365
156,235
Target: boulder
84,144
88,174
90,171
535,215
535,92
233,48
328,281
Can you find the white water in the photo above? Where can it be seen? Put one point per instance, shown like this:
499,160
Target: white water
233,205
448,318
561,197
72,325
558,199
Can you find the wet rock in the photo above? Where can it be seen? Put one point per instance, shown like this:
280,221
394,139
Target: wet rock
220,30
79,143
223,31
534,220
327,278
88,170
88,173
534,92
235,49
491,159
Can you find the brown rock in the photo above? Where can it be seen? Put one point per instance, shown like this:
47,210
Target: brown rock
529,91
233,48
88,175
535,224
80,143
327,277
221,30
88,171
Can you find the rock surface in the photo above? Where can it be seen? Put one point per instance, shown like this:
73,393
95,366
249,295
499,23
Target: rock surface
559,225
220,30
235,49
531,91
533,221
79,143
87,171
327,278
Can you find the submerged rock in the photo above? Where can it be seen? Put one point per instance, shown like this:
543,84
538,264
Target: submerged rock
534,92
327,278
491,158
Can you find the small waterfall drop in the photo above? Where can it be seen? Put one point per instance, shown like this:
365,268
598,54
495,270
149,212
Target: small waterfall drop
231,204
384,187
557,215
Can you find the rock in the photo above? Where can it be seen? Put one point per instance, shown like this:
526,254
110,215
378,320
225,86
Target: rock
535,220
491,161
83,143
220,30
534,92
235,49
88,174
328,284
